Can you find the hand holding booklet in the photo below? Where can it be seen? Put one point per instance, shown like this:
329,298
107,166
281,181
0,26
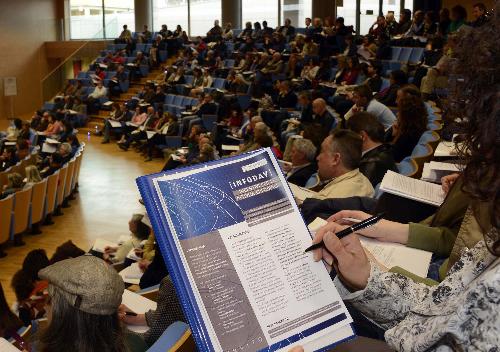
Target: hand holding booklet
234,240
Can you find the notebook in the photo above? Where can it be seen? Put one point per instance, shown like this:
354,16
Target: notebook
407,187
137,304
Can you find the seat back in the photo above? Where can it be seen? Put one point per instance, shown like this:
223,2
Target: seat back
178,100
51,194
408,167
6,207
169,99
69,178
396,52
422,153
416,55
78,161
61,184
22,200
405,54
176,338
38,193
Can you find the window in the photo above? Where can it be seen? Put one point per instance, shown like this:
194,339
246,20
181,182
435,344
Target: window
89,16
258,11
86,19
171,13
348,11
368,15
203,13
296,11
118,13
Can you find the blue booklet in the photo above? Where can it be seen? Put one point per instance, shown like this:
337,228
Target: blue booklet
233,241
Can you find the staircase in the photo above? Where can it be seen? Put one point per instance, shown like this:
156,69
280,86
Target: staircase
97,120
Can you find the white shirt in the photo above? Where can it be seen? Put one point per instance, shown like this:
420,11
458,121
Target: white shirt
99,92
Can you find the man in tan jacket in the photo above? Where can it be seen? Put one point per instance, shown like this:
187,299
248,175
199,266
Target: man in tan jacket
338,173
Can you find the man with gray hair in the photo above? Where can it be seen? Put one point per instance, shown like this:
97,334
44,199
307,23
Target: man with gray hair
302,165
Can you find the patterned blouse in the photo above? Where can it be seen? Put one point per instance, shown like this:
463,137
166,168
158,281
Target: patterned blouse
462,313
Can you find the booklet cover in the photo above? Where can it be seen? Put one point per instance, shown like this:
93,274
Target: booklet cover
233,241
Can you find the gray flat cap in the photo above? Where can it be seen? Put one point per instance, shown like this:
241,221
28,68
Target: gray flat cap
88,284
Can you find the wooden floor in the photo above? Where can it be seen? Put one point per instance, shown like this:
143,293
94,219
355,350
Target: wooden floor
107,198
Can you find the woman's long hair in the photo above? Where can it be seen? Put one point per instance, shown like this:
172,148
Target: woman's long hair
412,116
9,322
71,329
475,99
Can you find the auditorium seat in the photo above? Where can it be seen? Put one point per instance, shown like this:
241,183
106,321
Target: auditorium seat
69,178
6,207
408,167
60,186
50,199
37,202
177,337
20,220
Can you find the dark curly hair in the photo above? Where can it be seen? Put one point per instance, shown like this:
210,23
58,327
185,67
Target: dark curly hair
412,116
475,100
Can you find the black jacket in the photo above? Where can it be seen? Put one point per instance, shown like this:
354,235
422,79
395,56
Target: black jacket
302,175
207,109
375,163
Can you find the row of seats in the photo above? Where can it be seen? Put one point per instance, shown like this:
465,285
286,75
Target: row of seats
21,210
412,166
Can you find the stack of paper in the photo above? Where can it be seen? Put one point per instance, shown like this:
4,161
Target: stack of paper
6,346
446,149
100,244
131,274
137,304
434,171
114,123
411,188
389,254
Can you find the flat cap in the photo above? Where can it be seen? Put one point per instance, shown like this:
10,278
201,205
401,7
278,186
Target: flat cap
87,283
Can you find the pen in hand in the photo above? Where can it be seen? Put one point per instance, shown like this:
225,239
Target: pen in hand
356,227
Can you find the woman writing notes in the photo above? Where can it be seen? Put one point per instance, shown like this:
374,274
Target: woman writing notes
462,312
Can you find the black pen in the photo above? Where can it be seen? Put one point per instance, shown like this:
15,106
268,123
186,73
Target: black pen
356,227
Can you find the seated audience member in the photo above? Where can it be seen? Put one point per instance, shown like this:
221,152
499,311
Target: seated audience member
66,250
207,106
9,322
8,158
55,163
118,114
303,164
64,151
322,122
22,149
32,176
410,124
13,130
417,26
139,232
85,292
169,128
260,131
349,76
458,17
480,15
168,311
338,173
363,101
154,271
14,184
388,95
140,132
93,103
376,157
54,127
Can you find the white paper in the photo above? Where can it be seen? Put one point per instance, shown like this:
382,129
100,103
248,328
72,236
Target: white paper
131,274
49,148
228,147
447,149
52,141
132,256
6,346
100,244
411,188
128,123
301,193
137,304
115,123
434,171
390,254
150,134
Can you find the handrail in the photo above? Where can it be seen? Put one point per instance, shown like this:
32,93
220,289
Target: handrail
65,60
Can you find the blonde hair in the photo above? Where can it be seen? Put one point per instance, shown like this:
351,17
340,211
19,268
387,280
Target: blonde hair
32,174
14,180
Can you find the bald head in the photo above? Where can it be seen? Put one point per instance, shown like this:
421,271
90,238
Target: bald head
319,106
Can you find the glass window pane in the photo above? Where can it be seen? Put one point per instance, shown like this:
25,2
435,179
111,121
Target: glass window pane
348,11
86,19
296,11
171,13
203,15
369,11
116,14
260,10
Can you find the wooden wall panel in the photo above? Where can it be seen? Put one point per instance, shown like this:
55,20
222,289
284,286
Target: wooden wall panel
24,26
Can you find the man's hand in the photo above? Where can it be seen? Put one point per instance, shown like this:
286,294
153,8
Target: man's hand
448,181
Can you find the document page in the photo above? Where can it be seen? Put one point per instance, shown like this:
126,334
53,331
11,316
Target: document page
389,254
411,188
137,304
114,123
242,240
